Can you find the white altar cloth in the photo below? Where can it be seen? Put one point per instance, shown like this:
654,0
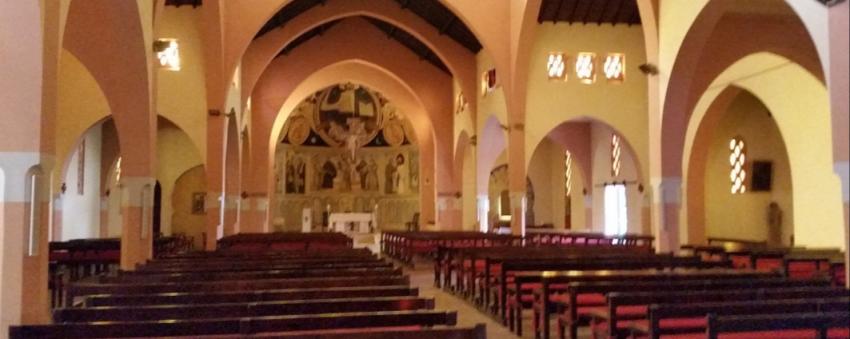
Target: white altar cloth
350,222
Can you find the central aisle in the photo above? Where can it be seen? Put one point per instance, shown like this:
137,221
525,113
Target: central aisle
467,315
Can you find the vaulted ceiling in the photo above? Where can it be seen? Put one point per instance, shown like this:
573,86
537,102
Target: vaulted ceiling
392,32
590,11
432,11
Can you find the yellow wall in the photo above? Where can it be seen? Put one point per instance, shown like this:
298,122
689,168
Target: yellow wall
494,102
182,94
623,106
175,155
799,103
182,219
744,216
81,105
470,211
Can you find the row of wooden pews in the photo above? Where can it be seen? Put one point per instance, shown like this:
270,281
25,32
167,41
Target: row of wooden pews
339,293
77,259
284,241
618,288
795,262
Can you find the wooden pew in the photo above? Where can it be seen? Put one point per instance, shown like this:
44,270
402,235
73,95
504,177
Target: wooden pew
249,296
802,325
84,289
553,281
252,275
404,246
635,304
235,267
251,309
242,326
690,318
528,272
260,242
586,295
412,332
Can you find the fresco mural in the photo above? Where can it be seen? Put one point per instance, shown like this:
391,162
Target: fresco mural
346,149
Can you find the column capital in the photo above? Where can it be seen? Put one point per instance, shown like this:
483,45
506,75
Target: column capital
132,188
668,190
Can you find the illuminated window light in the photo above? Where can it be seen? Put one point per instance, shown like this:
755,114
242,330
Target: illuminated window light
737,160
488,81
568,173
586,67
168,54
615,67
556,66
462,104
616,152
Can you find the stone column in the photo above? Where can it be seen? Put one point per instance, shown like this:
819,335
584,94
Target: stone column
136,220
483,211
517,178
23,260
839,91
666,205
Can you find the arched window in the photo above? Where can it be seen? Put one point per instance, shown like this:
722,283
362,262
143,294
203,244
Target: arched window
737,160
556,66
568,173
616,152
32,209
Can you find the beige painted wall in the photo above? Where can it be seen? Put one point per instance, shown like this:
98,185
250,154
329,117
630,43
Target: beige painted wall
81,210
81,105
175,155
623,106
182,219
181,95
744,216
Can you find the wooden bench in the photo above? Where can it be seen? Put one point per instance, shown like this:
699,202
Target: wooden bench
580,296
250,309
690,318
235,267
797,325
260,242
249,296
410,332
84,289
243,326
633,306
511,296
252,275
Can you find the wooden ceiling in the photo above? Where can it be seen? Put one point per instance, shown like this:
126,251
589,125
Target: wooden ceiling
432,11
590,11
405,39
178,3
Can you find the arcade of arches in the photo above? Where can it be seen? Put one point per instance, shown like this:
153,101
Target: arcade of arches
138,118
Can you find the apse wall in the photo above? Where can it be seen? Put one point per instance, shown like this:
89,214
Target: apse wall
745,216
80,203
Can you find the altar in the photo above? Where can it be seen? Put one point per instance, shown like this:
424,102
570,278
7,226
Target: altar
351,222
